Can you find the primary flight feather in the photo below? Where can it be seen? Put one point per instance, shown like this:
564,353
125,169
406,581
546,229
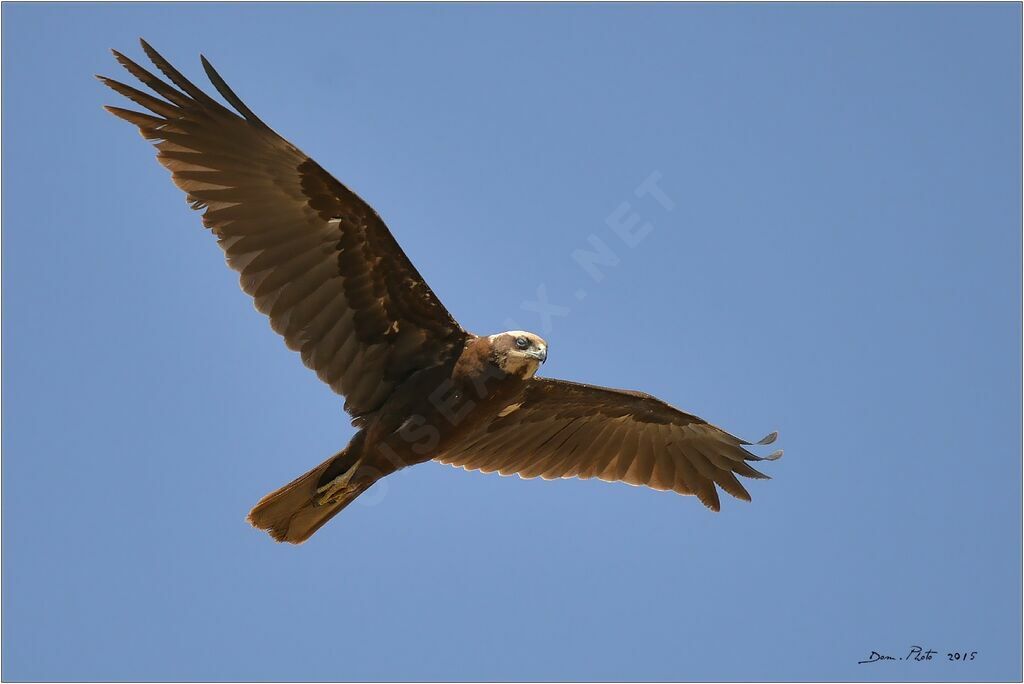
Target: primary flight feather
323,266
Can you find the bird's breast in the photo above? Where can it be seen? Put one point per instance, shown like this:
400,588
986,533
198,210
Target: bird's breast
434,410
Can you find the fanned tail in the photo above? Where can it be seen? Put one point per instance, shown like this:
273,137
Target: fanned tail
294,512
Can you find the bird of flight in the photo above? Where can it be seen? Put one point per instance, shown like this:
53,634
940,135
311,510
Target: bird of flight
321,264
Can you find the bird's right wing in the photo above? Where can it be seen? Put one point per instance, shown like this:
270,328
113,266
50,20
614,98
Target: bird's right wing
560,429
319,262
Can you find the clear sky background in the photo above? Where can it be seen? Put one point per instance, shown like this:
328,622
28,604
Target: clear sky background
842,263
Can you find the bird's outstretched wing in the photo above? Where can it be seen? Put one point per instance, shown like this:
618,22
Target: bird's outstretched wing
315,257
560,429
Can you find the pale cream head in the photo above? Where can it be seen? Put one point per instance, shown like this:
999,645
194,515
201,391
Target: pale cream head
518,352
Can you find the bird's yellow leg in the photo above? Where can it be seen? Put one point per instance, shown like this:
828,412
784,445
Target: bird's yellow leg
336,486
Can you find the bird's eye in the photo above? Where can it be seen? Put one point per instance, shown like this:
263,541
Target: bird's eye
522,342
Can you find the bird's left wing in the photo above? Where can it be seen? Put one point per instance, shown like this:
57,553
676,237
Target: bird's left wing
317,260
559,429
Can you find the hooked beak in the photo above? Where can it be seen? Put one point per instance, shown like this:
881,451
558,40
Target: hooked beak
539,354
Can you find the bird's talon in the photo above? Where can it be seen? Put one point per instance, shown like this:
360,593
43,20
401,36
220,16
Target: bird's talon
335,487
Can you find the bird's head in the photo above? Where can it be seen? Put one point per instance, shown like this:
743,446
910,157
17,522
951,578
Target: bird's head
517,352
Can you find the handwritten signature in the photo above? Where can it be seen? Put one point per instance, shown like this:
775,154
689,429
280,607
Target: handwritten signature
919,654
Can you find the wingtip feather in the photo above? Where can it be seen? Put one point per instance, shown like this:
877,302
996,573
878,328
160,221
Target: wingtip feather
228,94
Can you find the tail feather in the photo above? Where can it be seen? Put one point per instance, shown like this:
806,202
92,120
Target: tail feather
291,514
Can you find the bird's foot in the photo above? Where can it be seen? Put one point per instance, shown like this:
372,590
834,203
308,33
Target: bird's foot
330,491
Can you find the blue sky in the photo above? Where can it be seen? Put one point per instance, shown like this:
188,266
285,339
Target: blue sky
841,262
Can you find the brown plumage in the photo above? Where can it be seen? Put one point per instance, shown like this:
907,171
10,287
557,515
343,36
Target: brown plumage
321,264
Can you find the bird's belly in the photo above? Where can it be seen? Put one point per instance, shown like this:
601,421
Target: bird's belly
434,416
